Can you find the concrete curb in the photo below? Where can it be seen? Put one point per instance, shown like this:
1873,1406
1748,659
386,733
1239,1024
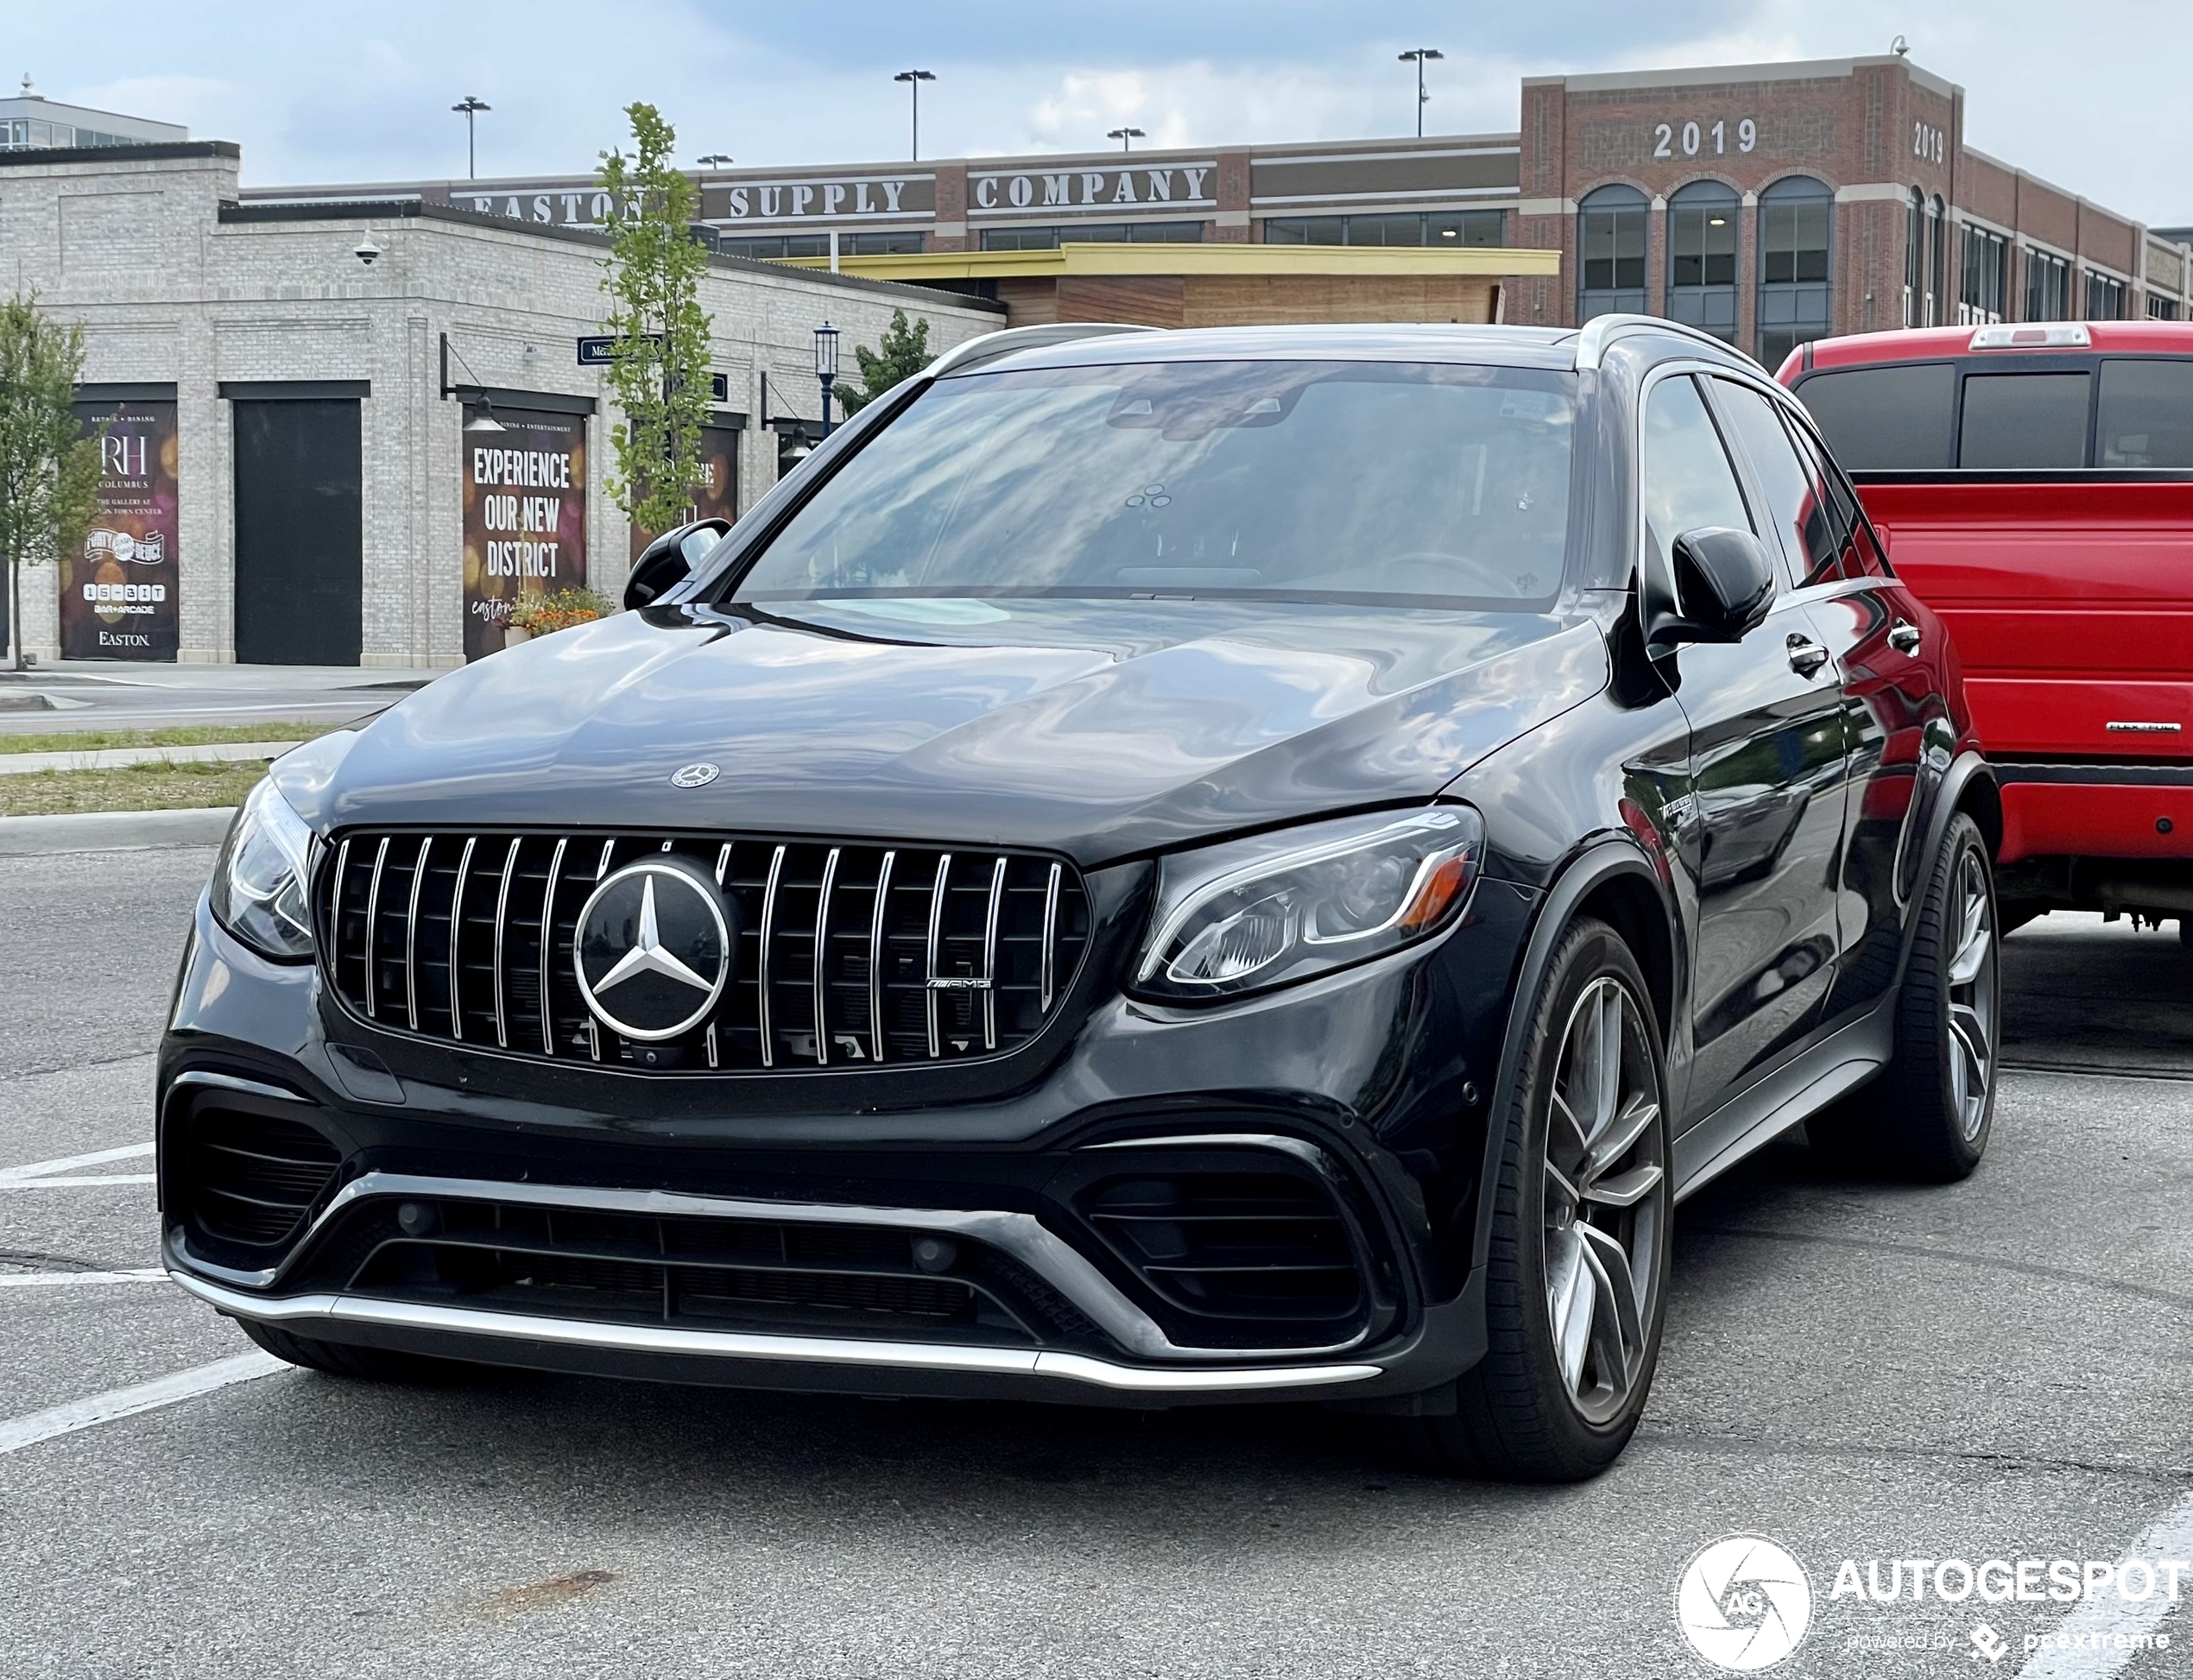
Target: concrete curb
113,831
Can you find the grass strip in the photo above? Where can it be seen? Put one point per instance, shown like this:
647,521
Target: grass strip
134,787
196,735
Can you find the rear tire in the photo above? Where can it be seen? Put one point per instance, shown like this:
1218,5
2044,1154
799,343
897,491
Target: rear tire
1577,1282
340,1359
1928,1114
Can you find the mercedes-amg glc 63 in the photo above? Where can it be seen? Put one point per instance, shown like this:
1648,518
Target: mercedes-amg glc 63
1156,867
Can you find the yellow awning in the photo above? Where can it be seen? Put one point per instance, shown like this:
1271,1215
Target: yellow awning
1115,260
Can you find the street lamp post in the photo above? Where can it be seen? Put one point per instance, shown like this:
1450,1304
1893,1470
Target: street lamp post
713,158
471,107
826,366
1420,54
1127,137
913,79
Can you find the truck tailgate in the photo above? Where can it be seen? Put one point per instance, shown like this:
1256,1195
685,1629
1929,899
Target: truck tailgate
2070,605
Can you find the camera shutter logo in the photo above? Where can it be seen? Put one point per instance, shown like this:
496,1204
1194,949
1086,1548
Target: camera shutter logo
654,949
1744,1604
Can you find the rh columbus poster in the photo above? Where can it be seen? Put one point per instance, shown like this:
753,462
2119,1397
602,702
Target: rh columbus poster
525,519
119,599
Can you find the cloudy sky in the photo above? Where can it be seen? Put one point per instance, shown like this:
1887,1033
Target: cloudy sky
2094,99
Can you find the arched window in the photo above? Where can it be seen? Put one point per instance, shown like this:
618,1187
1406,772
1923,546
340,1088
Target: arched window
1915,260
1937,263
1610,236
1702,258
1796,216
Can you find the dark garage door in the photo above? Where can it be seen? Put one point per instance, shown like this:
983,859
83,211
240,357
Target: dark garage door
299,542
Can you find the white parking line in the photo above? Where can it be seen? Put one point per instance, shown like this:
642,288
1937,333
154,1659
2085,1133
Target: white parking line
16,1175
53,1280
2102,1636
28,1431
87,1183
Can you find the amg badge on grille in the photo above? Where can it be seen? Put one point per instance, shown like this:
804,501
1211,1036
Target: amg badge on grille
654,949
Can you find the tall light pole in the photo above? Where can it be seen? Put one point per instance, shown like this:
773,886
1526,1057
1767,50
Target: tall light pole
712,158
471,107
1127,137
1420,54
913,79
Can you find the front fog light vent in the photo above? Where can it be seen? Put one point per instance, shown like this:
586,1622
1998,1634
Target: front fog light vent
1259,1245
254,1178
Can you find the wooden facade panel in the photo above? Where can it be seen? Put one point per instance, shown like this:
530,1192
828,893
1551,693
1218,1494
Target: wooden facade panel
1143,300
1267,300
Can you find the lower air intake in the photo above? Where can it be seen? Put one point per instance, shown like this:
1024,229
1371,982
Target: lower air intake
254,1178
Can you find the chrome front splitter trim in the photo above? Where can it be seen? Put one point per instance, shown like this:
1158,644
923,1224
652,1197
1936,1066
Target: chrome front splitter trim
1022,1235
302,1312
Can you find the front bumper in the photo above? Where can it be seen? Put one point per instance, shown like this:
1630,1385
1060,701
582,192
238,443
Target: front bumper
545,1227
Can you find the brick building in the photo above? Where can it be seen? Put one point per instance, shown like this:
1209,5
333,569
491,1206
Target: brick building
1768,203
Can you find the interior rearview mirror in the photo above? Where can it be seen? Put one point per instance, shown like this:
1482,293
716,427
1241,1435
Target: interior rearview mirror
1724,583
669,560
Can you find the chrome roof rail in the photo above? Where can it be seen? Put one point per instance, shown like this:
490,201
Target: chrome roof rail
1013,339
1603,330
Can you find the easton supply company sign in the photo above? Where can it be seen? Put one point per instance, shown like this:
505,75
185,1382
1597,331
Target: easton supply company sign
1053,190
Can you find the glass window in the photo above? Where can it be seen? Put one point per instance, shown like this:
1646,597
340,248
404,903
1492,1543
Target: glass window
1611,235
1702,258
2048,287
1895,419
763,247
1386,230
2161,308
1796,495
2145,414
1019,239
1688,483
1853,537
1314,481
1985,278
899,243
1466,227
1796,217
1915,259
2105,297
2024,419
1306,230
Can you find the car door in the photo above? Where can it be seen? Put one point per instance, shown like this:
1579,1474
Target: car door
1767,770
1894,657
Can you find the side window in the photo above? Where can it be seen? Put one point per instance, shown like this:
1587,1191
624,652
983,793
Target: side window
2146,413
1857,554
1688,483
1785,479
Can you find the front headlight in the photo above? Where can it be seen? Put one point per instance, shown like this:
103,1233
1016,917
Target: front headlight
258,889
1252,914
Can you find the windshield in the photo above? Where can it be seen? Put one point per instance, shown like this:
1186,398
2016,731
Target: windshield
1353,481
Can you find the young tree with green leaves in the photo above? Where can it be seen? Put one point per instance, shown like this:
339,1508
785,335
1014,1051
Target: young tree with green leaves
49,472
903,353
659,370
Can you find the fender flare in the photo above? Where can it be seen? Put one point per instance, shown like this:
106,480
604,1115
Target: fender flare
1969,768
1603,861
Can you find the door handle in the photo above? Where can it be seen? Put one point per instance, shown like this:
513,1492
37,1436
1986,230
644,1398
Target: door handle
1806,655
1903,638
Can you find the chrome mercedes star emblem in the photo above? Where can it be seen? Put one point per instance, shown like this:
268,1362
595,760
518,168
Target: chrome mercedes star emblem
694,775
653,949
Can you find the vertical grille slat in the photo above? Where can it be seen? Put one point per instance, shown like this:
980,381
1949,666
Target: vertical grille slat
851,955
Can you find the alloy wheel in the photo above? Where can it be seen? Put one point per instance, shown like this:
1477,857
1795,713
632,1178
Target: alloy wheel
1604,1200
1972,996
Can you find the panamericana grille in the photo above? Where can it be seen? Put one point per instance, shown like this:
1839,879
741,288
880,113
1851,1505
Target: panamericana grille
847,955
253,1178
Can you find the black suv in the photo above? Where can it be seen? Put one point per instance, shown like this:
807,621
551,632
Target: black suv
1155,866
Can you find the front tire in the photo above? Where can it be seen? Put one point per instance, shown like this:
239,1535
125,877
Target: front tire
1577,1277
1928,1114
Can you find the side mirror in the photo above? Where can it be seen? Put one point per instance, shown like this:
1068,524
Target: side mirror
669,560
1724,583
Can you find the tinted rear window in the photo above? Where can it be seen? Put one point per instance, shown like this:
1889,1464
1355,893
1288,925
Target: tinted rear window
1890,420
2147,416
2034,421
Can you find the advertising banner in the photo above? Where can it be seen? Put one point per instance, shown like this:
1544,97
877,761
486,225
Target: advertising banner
718,497
119,599
525,518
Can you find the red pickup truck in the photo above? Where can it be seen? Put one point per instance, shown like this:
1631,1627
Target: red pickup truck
2033,484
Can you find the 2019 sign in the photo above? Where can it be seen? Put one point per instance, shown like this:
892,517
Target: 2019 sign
1712,138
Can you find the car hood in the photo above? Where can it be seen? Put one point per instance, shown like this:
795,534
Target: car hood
1103,730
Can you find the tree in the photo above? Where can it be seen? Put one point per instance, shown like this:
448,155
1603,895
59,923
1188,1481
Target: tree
658,366
49,472
903,353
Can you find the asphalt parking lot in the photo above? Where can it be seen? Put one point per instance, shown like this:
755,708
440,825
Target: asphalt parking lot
1857,1370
